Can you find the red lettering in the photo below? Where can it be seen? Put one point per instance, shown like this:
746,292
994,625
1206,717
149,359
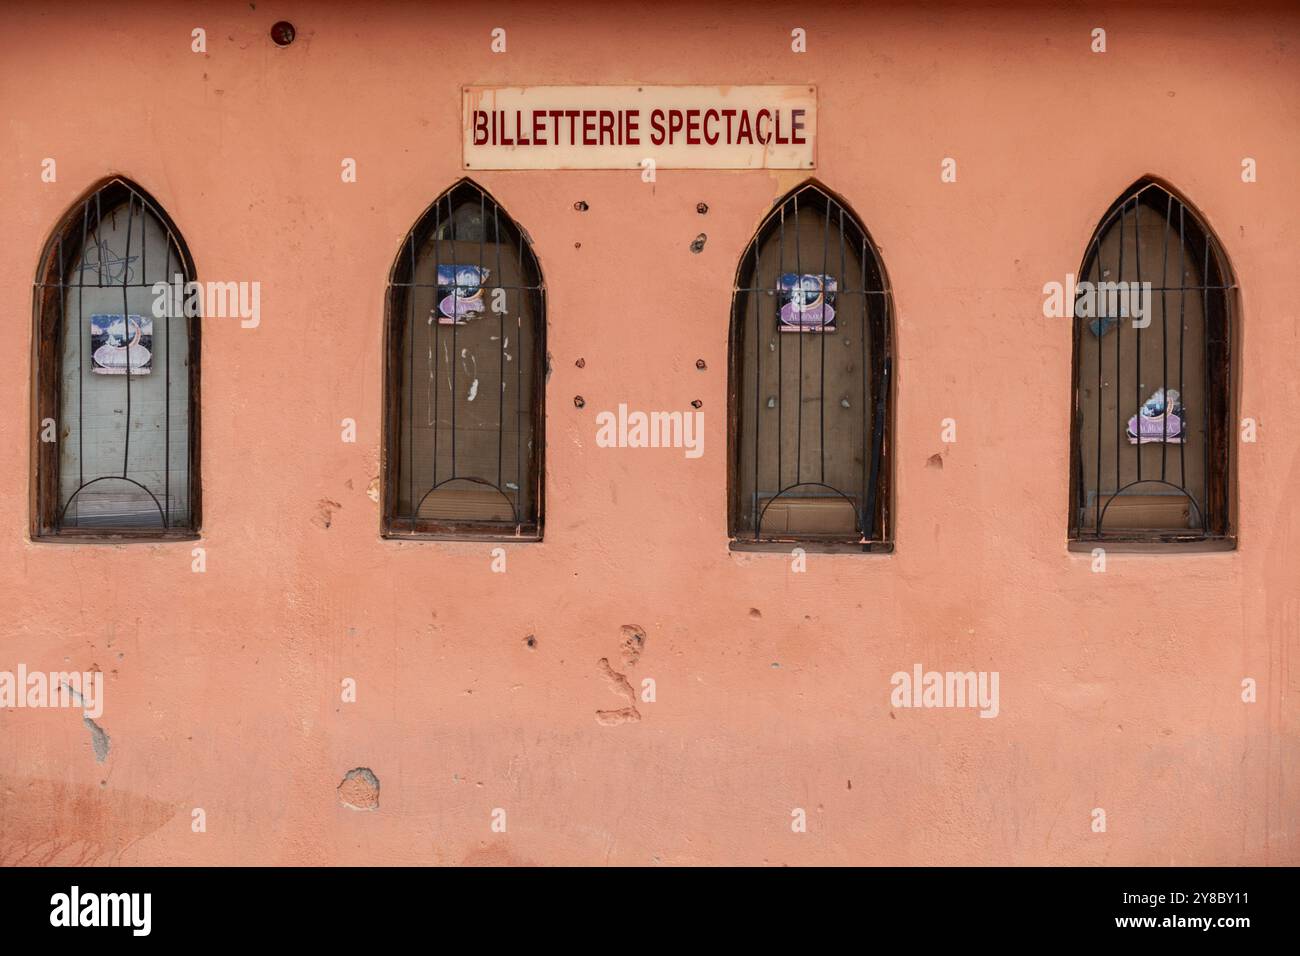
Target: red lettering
707,115
730,115
692,127
744,133
780,137
480,127
796,124
657,128
763,137
675,123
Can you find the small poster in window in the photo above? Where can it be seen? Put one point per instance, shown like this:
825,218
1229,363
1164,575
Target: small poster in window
119,343
1160,419
460,293
806,303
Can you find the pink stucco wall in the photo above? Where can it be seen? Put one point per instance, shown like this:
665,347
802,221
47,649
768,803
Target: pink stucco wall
1119,691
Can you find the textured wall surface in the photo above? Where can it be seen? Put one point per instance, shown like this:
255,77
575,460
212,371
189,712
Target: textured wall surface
1119,691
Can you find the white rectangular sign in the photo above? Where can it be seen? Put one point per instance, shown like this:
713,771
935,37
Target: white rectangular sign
619,127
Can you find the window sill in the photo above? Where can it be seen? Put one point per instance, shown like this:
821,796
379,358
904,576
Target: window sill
117,537
497,537
812,547
1134,544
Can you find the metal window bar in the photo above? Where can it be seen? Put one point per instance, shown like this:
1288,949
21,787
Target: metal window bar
1147,500
447,464
827,481
104,225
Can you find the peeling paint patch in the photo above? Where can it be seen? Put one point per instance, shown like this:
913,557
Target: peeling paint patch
359,789
99,740
372,489
473,390
73,692
325,509
618,685
633,643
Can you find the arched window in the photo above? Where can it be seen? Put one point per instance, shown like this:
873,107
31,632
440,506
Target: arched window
465,378
116,425
1151,449
811,369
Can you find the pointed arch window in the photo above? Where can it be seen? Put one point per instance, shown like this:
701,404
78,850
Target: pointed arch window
1152,437
465,377
811,369
116,427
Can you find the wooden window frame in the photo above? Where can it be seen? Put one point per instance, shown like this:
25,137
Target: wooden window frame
882,401
1222,338
406,527
59,253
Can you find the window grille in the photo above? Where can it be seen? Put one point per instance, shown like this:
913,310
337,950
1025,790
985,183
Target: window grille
116,395
811,364
1152,429
465,376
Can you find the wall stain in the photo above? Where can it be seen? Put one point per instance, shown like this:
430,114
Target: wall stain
53,823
